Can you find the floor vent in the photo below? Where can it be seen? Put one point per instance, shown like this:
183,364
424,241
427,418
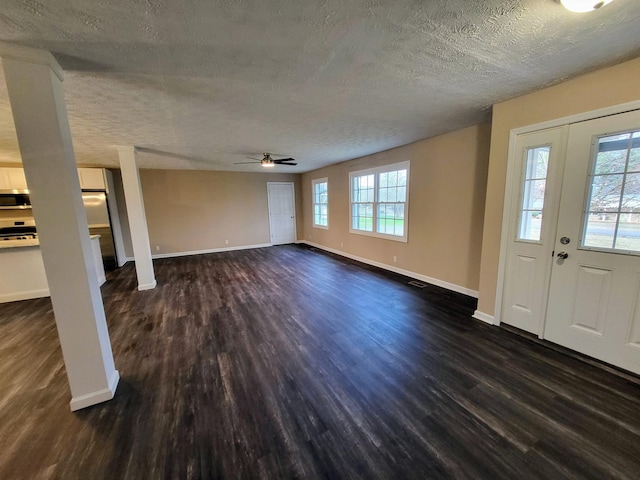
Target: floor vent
418,284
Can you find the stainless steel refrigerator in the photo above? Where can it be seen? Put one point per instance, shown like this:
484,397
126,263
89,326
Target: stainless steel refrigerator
95,204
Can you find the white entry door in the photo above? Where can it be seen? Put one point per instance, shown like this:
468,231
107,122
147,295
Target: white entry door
538,175
282,212
594,295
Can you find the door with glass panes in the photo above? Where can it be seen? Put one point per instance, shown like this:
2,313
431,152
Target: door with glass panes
533,217
594,292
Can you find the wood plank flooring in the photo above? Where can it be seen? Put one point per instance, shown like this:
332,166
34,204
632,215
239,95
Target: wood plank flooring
287,362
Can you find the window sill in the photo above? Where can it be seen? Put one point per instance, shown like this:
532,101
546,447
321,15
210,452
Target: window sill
384,236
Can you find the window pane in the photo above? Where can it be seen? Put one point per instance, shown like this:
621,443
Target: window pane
533,191
320,200
600,230
634,160
384,179
628,237
530,225
611,162
537,162
605,193
363,217
533,194
631,197
390,219
402,178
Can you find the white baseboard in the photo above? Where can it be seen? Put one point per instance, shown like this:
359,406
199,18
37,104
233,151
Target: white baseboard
147,286
210,250
484,317
100,396
14,297
407,273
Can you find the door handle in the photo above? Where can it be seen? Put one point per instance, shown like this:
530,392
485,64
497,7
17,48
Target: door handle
562,255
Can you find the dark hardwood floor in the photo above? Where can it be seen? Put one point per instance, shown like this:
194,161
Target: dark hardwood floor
286,362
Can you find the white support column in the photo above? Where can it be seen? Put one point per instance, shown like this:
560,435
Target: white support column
137,217
34,83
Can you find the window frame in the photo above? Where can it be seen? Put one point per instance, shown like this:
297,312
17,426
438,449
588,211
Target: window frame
376,171
595,142
314,182
521,196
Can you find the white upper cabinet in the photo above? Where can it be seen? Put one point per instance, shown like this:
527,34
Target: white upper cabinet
91,178
12,179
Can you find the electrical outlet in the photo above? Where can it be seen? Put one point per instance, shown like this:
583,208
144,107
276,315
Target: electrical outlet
157,248
226,242
395,259
341,244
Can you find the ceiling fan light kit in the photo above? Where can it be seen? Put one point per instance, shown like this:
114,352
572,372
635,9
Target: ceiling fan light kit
581,6
268,162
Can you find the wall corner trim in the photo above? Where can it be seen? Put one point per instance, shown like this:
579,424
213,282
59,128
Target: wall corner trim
100,396
484,317
407,273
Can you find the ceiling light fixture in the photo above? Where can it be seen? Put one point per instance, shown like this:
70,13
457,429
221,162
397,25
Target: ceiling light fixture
580,6
267,163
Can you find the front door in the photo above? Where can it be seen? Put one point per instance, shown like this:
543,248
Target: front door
594,295
532,233
282,212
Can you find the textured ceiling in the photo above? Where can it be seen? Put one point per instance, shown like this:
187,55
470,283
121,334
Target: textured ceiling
201,83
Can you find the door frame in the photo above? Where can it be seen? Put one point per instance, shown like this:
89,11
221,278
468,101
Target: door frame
295,212
512,188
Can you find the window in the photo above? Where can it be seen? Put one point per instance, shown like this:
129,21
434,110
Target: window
612,217
379,201
533,186
320,203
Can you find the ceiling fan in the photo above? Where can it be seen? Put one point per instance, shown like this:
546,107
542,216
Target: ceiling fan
268,162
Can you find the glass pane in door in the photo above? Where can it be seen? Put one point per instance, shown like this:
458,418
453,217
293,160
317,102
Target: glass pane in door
612,217
533,188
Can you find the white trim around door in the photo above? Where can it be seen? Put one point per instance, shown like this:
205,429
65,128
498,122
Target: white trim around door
512,184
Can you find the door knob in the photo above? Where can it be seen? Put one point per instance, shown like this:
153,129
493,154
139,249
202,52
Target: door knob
562,255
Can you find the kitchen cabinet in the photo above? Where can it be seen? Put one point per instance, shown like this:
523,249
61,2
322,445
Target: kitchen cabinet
12,179
22,274
91,178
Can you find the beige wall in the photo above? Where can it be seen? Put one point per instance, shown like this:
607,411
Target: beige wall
446,204
191,210
607,87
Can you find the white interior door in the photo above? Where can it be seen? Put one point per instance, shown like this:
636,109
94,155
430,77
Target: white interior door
594,300
533,219
282,212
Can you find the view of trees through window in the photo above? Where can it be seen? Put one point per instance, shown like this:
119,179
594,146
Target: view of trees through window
533,187
320,203
613,217
379,200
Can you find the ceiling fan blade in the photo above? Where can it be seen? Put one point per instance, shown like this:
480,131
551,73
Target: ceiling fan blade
286,163
244,163
254,158
282,160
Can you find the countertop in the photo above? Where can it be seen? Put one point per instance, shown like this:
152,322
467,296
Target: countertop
6,244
